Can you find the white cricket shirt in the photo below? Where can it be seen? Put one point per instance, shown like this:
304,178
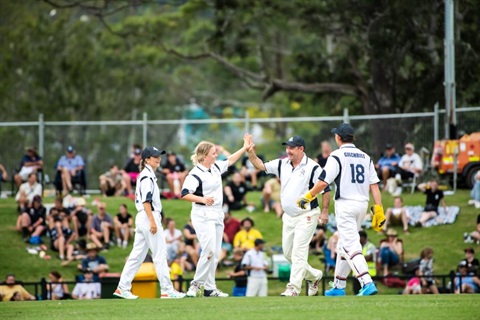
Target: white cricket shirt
353,172
295,182
254,258
147,190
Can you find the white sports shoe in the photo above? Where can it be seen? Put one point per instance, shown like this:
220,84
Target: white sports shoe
313,285
124,294
174,294
290,291
194,290
215,293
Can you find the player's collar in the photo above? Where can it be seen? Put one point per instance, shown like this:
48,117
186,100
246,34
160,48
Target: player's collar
347,145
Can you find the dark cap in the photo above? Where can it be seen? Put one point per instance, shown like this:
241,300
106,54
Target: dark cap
295,141
137,151
37,198
344,130
70,149
258,242
469,249
362,234
151,152
31,149
388,146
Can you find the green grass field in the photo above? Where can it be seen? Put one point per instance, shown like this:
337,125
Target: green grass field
446,240
374,307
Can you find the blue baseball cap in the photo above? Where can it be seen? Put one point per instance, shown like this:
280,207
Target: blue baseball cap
295,141
151,152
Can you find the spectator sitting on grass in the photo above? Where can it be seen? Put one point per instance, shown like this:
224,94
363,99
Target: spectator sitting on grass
426,272
472,263
102,227
434,198
61,237
123,223
474,236
175,173
235,193
87,289
32,222
10,290
465,281
397,215
81,218
93,262
245,238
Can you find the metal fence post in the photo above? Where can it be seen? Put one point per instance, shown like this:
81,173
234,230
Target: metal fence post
247,121
345,115
145,129
41,134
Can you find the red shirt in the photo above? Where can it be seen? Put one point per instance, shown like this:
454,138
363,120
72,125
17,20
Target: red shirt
231,228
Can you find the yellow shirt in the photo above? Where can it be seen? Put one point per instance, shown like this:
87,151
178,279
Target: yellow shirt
245,240
275,187
175,271
7,292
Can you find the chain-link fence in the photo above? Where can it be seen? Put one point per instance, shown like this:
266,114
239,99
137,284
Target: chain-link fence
103,143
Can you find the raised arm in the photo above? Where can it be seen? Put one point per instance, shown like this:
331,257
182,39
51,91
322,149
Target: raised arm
247,142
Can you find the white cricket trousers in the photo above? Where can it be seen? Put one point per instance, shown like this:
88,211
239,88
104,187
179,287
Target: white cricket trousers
209,235
257,287
145,240
350,215
297,234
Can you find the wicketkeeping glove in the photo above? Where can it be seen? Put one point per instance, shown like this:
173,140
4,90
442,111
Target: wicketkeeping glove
305,199
378,219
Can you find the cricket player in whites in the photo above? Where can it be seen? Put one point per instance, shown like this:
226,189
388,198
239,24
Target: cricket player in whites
297,174
354,174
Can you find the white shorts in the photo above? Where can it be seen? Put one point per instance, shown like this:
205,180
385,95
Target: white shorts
25,172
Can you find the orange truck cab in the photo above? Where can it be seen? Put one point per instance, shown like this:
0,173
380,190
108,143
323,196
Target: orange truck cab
468,157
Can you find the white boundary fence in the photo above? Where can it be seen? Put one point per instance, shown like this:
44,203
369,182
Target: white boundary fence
103,143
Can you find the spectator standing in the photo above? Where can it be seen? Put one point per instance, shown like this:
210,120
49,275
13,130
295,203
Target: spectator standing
27,192
102,227
245,238
235,192
434,198
355,177
123,224
256,266
175,173
87,289
238,274
203,187
56,288
31,163
149,232
112,182
271,196
326,149
426,272
13,291
410,164
69,165
386,165
192,248
297,174
396,215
